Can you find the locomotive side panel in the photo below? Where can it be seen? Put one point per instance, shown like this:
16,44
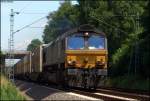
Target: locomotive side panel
47,55
61,54
55,53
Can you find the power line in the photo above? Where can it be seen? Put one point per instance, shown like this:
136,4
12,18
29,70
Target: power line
36,27
109,24
32,13
21,11
29,24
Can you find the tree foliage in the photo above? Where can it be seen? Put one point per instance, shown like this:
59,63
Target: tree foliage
34,43
126,24
60,21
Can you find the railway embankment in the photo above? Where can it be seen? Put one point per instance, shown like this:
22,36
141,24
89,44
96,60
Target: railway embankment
8,90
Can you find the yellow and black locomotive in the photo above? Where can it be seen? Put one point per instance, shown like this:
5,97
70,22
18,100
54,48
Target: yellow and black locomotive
77,58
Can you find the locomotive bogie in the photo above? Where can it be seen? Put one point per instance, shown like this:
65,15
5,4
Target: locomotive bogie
85,78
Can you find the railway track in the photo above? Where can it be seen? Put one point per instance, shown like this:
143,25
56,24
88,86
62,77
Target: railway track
136,91
138,96
104,93
126,93
96,95
111,95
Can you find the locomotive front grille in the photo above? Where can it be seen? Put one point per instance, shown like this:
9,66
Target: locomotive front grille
88,59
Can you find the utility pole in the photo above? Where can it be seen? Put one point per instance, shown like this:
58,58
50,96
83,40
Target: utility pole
11,47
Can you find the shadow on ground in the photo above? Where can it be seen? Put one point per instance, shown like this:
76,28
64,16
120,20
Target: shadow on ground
35,91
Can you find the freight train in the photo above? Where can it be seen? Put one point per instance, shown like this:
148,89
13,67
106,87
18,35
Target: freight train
77,58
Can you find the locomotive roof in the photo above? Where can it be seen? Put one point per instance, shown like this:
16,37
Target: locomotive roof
81,28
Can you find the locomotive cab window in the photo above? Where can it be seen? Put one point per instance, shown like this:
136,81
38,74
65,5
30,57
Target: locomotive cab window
75,42
85,41
96,42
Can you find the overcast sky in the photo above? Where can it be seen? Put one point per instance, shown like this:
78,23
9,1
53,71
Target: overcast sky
29,11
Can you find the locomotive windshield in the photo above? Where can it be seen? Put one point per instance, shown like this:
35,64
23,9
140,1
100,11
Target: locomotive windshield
77,41
96,42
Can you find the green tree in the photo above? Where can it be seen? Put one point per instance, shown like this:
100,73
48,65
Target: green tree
60,21
144,43
34,43
118,19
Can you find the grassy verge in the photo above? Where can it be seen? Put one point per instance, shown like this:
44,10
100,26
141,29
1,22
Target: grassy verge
129,82
8,91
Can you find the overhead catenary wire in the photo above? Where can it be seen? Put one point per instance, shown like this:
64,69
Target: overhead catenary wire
29,24
36,27
21,11
109,24
32,13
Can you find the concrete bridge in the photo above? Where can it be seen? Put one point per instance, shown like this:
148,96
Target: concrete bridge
18,54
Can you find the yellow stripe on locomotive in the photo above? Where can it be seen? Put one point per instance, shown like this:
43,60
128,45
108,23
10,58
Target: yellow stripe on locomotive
86,59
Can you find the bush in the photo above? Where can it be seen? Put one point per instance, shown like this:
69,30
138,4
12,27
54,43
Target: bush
120,61
129,82
8,91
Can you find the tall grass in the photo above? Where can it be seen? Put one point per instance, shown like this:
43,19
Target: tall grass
8,90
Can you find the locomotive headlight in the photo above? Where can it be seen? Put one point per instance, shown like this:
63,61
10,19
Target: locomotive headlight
69,62
86,34
71,58
100,60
